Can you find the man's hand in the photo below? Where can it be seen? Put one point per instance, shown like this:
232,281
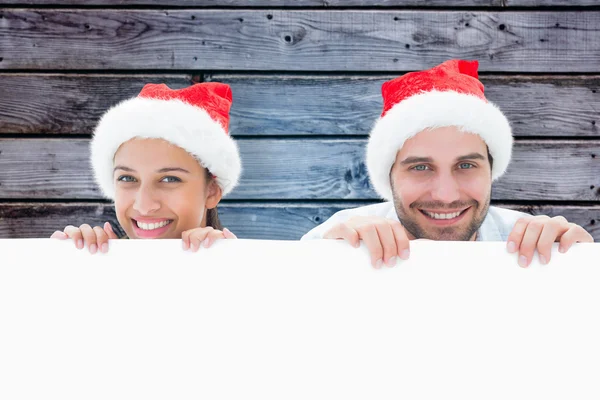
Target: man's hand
539,233
386,239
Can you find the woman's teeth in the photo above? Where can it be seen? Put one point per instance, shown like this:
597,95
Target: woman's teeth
442,216
150,227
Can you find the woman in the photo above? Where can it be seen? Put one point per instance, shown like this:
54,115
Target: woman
165,158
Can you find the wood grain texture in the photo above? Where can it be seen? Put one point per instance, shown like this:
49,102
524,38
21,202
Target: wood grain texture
68,104
349,105
297,40
289,104
293,169
312,3
278,221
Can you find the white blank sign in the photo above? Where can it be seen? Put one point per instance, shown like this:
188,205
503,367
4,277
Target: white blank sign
296,320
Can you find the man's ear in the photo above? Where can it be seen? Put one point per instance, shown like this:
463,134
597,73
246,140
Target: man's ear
215,193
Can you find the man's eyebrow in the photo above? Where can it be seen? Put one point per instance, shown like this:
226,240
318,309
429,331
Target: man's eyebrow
413,160
172,169
127,169
471,156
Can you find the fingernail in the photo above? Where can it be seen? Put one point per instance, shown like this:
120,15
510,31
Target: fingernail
184,245
523,261
80,244
93,248
512,247
104,247
543,260
378,263
391,262
561,249
206,242
405,254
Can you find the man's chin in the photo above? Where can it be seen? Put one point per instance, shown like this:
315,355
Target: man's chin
450,236
458,232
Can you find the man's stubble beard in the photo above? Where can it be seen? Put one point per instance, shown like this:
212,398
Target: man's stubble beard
446,233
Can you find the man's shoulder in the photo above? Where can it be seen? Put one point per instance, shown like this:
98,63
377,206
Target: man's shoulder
384,210
506,214
372,210
500,222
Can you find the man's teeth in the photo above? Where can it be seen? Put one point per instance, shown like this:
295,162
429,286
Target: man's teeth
149,227
442,216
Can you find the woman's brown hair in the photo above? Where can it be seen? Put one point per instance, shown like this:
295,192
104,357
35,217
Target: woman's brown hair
212,214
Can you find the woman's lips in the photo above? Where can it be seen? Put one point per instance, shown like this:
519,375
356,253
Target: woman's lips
150,228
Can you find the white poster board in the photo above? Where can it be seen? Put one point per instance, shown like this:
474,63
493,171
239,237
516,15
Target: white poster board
296,320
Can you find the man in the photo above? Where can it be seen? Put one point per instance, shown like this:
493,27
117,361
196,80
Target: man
433,155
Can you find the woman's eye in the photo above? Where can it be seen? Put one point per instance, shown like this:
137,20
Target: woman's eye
170,179
420,167
465,166
126,178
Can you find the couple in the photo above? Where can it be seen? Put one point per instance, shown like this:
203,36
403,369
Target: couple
166,159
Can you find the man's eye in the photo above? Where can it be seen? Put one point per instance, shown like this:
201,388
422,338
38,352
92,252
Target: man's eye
170,179
126,178
465,166
420,167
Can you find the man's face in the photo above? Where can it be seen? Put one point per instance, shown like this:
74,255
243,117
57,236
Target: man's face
442,184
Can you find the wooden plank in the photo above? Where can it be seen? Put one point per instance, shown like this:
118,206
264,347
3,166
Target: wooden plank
290,104
68,104
39,220
299,40
320,169
278,221
349,105
311,3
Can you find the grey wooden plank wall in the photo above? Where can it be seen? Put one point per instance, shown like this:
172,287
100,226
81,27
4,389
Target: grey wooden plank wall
306,78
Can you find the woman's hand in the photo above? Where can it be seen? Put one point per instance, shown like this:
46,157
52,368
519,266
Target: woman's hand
94,239
194,238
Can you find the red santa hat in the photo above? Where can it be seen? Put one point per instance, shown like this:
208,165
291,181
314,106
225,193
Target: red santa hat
195,118
447,95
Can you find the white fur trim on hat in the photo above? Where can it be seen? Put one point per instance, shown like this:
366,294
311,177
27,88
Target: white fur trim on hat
182,124
433,110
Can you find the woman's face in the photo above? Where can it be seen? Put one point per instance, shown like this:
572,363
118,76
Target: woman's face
160,190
